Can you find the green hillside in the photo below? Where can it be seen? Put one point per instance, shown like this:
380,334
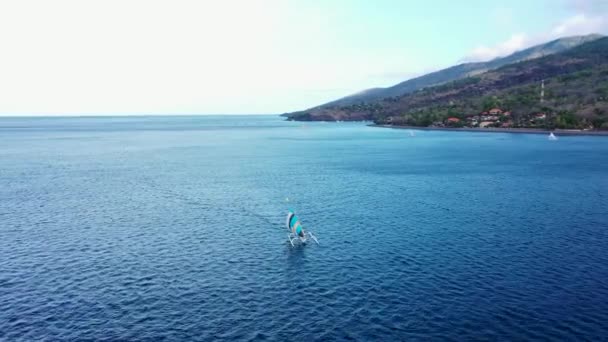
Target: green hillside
575,96
463,70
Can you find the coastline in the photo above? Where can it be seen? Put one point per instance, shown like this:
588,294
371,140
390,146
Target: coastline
557,132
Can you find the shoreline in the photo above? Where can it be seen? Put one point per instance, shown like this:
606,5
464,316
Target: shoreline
557,132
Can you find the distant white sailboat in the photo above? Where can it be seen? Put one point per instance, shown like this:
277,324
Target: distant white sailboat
552,136
412,134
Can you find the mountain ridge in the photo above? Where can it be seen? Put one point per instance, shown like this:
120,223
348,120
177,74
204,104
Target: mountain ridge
459,71
576,95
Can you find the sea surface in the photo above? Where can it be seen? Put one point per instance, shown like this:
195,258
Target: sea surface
172,228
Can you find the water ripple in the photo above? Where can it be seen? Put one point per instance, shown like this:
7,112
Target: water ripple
176,234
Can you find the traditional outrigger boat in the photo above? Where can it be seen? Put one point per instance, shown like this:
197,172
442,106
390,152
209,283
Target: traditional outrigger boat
296,231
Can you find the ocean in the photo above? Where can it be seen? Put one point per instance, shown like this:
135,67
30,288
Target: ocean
173,228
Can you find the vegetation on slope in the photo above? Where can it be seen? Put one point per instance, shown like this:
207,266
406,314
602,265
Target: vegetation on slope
462,70
576,95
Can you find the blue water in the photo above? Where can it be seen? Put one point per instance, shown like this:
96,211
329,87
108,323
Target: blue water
172,228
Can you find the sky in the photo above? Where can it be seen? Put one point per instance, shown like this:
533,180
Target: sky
142,57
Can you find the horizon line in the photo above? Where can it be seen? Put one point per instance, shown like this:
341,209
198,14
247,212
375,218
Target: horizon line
124,115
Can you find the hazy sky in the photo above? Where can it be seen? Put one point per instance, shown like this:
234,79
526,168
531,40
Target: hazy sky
213,57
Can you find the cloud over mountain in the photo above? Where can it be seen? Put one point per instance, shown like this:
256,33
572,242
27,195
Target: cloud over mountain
589,17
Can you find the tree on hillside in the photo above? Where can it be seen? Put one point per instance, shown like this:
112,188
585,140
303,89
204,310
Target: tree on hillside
490,102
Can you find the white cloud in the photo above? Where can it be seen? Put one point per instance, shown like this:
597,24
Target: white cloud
484,53
578,24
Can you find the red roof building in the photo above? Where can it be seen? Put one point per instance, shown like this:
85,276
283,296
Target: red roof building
495,111
453,120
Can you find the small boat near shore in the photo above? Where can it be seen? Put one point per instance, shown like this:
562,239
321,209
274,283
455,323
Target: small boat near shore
552,136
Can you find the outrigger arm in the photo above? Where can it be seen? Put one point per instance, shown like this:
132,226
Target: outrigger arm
291,238
313,237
